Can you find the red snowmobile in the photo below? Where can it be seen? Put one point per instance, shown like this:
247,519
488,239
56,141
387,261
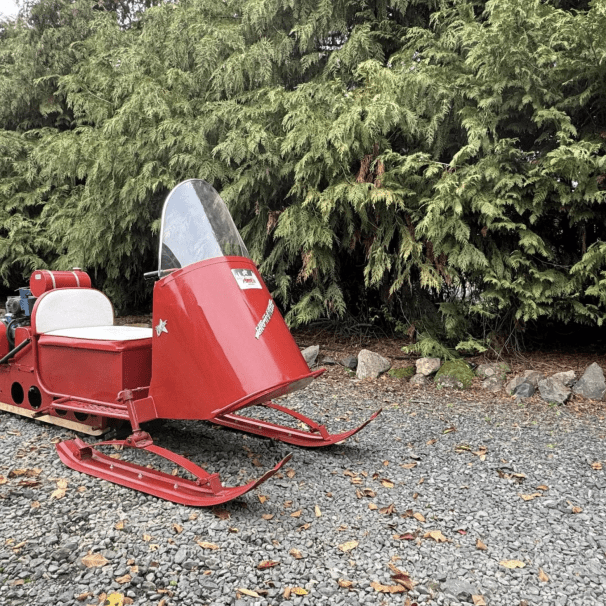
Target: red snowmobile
218,345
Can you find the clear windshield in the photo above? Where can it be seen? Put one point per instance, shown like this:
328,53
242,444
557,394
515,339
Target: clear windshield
196,225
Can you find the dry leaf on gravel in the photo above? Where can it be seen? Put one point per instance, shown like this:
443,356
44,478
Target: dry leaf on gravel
478,600
295,553
577,509
221,513
388,588
298,591
290,473
436,535
177,528
207,545
94,560
542,576
345,547
404,537
114,599
597,466
387,483
419,517
389,510
267,564
372,506
267,516
431,442
147,538
408,465
318,512
529,497
543,487
296,514
480,545
248,592
120,525
262,498
125,579
512,564
58,494
345,584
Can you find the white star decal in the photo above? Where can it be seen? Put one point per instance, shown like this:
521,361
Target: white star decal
161,327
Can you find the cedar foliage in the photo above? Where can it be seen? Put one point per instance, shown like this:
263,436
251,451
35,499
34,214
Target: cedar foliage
439,162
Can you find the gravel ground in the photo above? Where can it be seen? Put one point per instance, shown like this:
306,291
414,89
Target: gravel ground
423,456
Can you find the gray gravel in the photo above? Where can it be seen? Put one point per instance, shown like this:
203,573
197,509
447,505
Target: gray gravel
456,492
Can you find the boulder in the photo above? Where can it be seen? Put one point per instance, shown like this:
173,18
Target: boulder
418,380
311,354
458,370
569,378
552,390
514,384
402,373
494,384
428,366
448,382
328,361
524,390
350,362
533,377
371,365
592,384
494,369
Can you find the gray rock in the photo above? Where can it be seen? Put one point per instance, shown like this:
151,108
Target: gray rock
460,589
568,378
524,390
350,362
448,382
311,354
418,380
428,366
328,361
592,384
494,383
533,377
371,365
553,391
493,369
180,556
512,385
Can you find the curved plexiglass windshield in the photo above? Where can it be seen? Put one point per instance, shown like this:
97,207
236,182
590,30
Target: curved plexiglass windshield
196,225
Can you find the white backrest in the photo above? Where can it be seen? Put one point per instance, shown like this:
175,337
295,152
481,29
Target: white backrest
72,308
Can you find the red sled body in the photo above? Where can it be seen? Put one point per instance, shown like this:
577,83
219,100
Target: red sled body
218,344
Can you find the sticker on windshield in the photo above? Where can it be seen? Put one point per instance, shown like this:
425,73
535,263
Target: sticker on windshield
246,278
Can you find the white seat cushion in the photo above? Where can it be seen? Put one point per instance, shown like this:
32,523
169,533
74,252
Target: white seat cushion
104,333
72,308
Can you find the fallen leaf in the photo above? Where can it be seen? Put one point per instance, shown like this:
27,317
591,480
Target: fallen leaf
94,560
125,579
480,545
35,504
262,498
449,430
248,592
404,537
115,456
542,576
389,510
388,588
415,496
419,517
206,545
597,466
177,528
296,514
286,593
267,516
318,512
295,553
408,465
345,547
421,481
287,504
345,584
431,442
174,472
459,448
577,509
367,492
385,463
114,599
357,481
298,591
436,535
83,596
58,494
17,582
147,538
529,497
81,489
256,462
222,514
3,479
542,487
233,529
304,527
478,600
401,578
512,563
387,483
120,525
193,516
290,473
134,569
372,506
267,564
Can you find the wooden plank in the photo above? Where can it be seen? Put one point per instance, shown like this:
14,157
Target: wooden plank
66,423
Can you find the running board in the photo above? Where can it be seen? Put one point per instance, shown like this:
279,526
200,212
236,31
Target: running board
316,436
205,491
